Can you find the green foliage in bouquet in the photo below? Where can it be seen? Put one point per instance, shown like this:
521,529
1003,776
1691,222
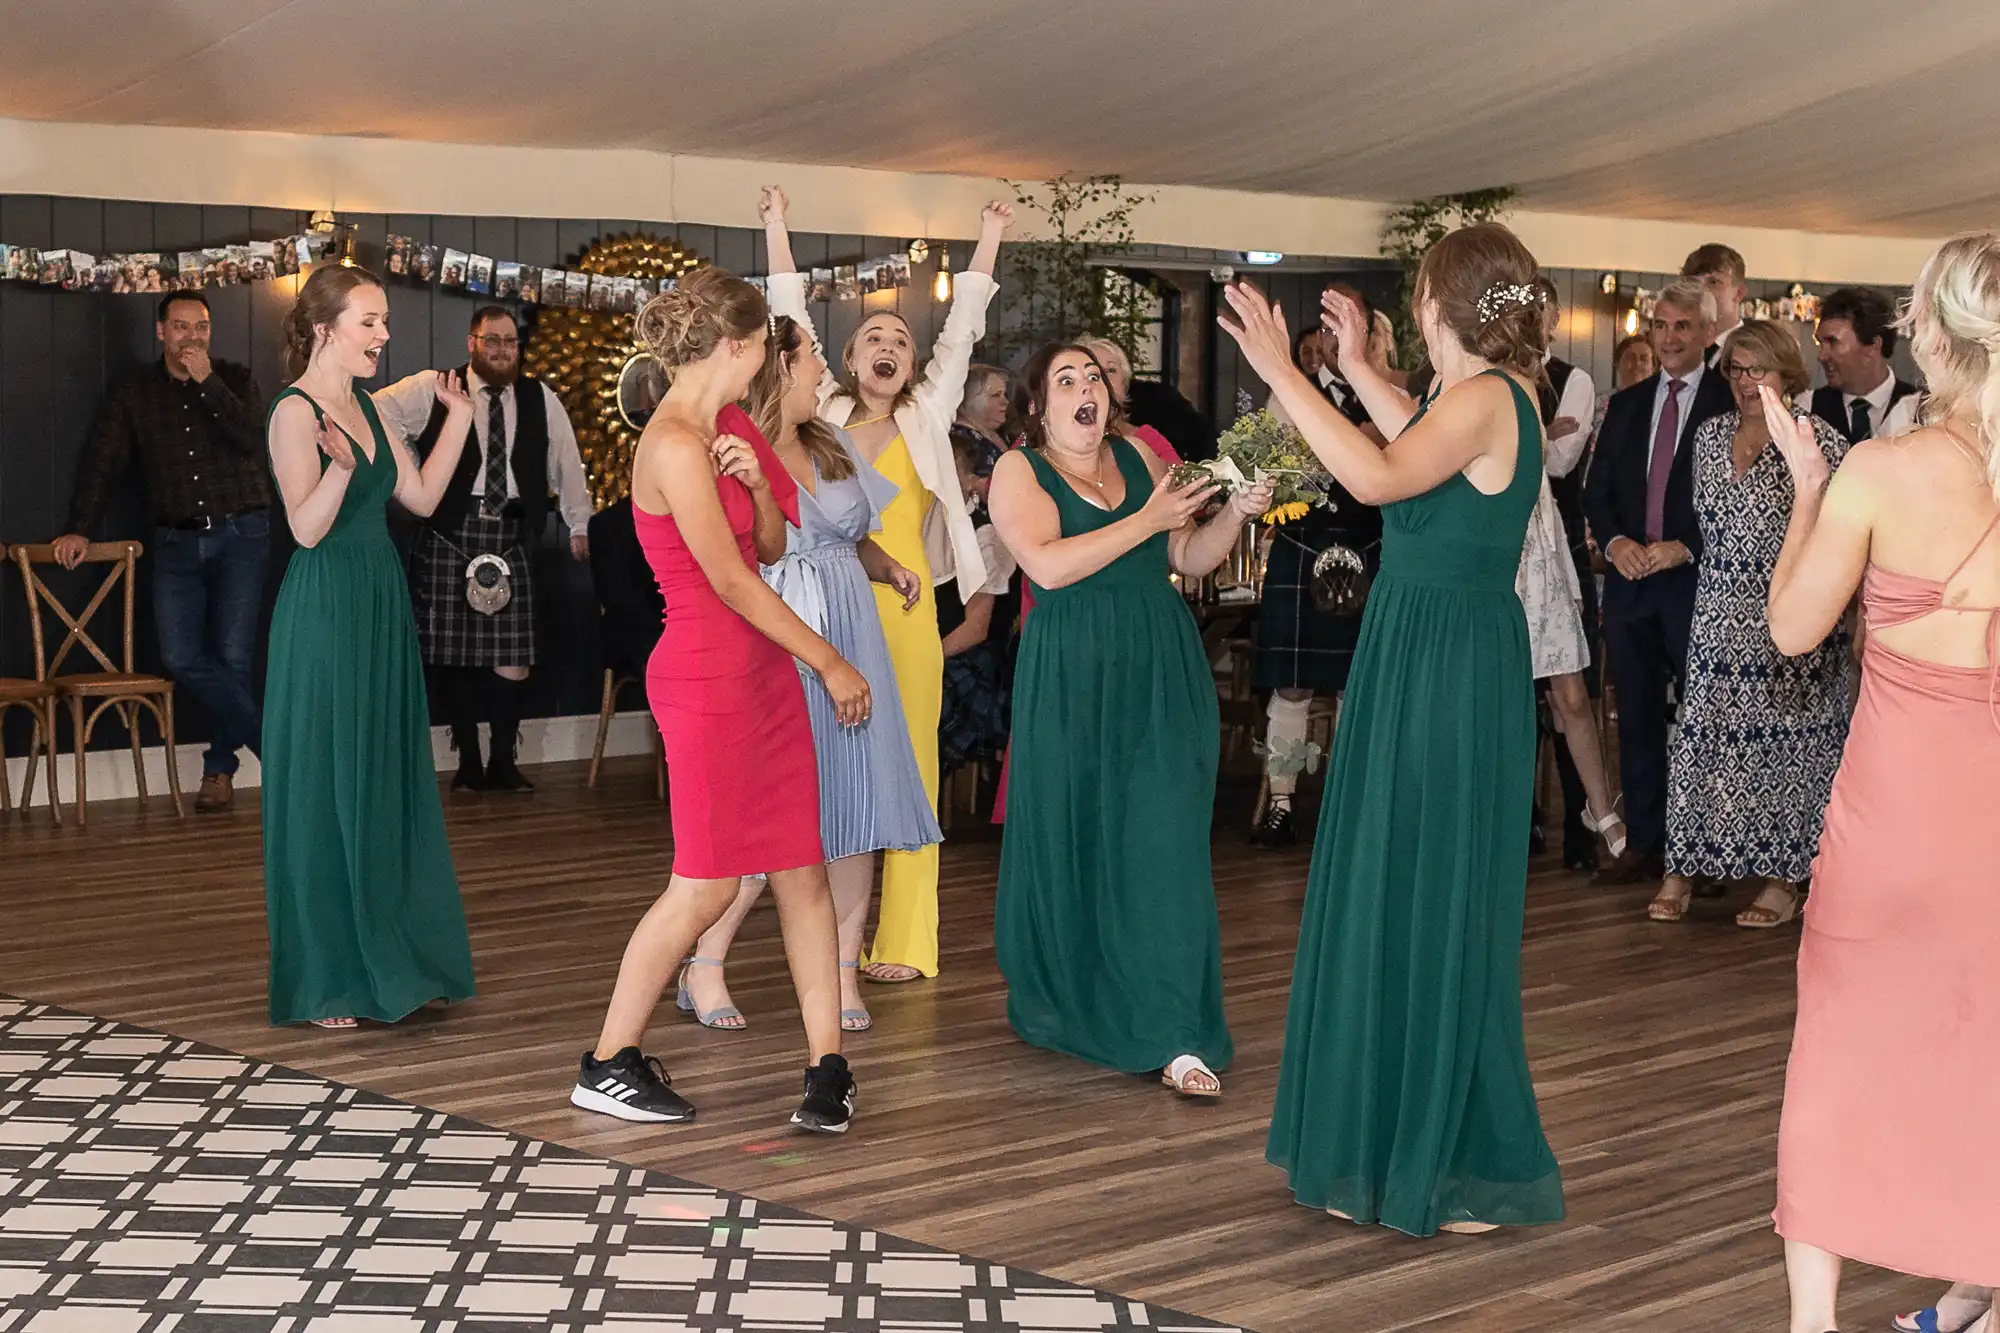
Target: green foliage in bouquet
1257,445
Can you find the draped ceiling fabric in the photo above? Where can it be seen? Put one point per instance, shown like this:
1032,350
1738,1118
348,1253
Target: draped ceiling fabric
1850,116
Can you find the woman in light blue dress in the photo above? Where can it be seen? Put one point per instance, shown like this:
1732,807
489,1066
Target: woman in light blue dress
871,794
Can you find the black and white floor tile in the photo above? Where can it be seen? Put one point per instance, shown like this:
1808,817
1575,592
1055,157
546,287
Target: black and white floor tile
153,1185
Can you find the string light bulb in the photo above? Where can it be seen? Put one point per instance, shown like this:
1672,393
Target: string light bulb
1631,321
941,285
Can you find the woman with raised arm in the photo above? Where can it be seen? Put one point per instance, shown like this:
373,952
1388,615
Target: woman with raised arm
709,502
871,797
1404,1098
900,423
1105,925
1886,1146
362,899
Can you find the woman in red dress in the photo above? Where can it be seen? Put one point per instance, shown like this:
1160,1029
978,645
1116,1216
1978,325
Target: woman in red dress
728,700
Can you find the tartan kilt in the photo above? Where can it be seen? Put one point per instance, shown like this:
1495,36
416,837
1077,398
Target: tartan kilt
1298,645
449,631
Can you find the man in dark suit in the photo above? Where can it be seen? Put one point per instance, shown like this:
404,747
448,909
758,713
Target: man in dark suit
1639,501
1862,396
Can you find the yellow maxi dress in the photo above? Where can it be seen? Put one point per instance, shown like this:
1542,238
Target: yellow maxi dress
906,925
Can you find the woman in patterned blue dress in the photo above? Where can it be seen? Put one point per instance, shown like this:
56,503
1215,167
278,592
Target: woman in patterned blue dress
871,793
1761,733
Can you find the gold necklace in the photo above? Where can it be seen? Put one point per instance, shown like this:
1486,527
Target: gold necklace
857,425
1098,482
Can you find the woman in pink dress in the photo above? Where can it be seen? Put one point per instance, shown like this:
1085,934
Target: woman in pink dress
709,499
1886,1153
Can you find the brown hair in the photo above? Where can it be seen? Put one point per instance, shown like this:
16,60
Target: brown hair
852,382
322,297
705,309
1031,392
1868,312
1482,279
766,403
1777,349
1714,257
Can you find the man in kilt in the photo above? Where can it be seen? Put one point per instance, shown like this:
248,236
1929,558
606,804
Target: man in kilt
1301,650
471,567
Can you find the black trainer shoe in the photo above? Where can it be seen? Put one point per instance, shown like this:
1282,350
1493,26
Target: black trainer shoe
631,1086
1275,828
829,1104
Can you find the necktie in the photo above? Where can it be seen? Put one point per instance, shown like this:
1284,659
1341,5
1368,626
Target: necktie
1665,439
1864,427
496,454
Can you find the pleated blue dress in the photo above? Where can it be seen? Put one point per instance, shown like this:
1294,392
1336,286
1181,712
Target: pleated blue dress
871,795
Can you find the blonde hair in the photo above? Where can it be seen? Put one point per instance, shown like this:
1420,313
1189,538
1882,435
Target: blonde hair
705,309
1954,327
1777,349
851,381
766,402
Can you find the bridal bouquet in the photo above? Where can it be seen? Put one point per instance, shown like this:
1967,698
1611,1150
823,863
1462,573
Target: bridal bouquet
1256,448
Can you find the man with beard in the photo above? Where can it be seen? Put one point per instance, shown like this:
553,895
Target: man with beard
196,427
471,571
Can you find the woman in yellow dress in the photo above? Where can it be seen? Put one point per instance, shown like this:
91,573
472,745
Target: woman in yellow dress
900,422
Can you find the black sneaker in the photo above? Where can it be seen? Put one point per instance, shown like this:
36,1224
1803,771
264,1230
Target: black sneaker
829,1104
630,1086
1275,828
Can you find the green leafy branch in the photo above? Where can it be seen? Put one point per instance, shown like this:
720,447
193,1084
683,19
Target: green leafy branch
1057,287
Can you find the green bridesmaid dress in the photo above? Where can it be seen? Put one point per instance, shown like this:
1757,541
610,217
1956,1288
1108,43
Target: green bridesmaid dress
362,901
1405,1097
1105,925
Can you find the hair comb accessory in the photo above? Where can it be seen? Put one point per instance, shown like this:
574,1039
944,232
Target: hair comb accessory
1502,297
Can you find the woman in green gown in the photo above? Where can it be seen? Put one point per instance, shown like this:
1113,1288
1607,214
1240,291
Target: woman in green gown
1404,1098
1105,926
362,900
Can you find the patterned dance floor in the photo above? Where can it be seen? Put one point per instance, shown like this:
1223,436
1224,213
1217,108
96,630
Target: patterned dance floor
150,1184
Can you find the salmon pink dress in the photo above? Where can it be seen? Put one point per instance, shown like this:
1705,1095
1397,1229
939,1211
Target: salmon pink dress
1887,1150
731,708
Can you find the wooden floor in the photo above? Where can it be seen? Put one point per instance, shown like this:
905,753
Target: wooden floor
1659,1054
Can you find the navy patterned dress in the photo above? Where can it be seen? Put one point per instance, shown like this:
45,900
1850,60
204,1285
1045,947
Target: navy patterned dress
1761,734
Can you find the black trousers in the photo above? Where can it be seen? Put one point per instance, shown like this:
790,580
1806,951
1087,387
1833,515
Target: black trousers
1646,627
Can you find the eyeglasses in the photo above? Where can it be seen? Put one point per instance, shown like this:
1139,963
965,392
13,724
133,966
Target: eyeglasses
1738,371
494,342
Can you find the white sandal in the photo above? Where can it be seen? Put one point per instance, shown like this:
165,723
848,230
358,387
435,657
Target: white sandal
1176,1076
1602,826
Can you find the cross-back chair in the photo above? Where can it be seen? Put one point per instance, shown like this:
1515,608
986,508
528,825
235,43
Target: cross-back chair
37,698
119,685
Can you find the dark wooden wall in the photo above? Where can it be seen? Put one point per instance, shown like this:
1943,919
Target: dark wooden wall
60,351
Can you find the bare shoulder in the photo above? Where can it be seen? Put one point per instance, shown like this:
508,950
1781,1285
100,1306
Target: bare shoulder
292,414
1013,466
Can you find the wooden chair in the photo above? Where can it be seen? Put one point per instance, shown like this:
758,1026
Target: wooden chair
38,699
614,685
119,685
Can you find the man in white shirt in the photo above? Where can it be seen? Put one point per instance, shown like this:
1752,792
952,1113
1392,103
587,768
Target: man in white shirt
1720,271
471,570
1861,397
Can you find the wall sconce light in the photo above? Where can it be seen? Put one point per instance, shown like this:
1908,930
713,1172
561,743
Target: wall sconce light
1608,284
1631,324
344,244
919,251
941,285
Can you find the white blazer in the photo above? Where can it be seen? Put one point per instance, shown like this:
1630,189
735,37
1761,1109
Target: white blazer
925,420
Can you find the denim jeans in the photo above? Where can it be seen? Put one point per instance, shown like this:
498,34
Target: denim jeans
208,591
